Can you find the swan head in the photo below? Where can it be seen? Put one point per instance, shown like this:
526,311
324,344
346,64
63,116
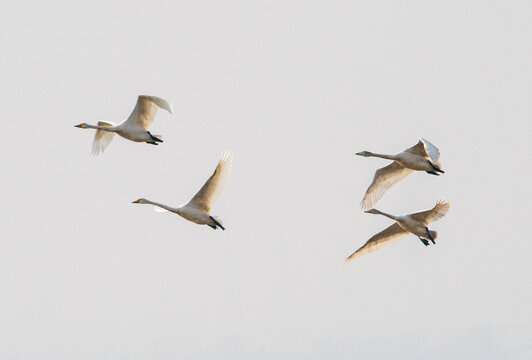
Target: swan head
364,153
82,125
140,201
372,211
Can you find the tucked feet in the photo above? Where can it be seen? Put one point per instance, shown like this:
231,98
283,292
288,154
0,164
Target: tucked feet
435,167
217,223
425,242
154,138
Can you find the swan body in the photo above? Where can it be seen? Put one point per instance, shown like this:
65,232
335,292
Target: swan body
423,156
415,223
135,128
198,208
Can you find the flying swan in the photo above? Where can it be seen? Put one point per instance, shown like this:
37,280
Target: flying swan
412,223
421,157
198,208
135,128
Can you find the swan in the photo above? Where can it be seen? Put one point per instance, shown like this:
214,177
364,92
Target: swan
198,208
135,128
415,223
421,157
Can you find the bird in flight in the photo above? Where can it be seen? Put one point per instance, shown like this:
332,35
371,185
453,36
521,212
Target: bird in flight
135,128
198,208
416,223
422,157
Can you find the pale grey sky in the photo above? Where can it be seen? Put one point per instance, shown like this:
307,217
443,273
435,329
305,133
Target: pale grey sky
293,89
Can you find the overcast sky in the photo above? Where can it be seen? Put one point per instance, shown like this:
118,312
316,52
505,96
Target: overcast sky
294,89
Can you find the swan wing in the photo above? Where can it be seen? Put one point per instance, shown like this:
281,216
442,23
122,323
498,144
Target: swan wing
102,138
431,150
379,240
384,179
436,213
212,188
418,149
145,110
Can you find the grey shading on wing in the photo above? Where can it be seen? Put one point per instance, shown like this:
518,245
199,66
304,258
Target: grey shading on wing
431,150
377,241
384,179
426,149
213,187
437,212
145,110
102,138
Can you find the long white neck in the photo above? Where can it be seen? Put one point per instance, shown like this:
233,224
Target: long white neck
98,127
174,210
387,215
383,156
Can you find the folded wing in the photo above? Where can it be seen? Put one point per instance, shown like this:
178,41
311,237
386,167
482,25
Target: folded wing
385,237
144,112
213,187
384,179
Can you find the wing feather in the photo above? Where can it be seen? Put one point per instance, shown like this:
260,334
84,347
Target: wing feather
436,213
384,179
379,240
145,110
102,138
431,150
212,188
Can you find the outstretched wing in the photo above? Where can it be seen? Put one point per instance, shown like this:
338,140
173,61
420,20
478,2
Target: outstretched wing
145,110
102,138
379,240
214,186
384,179
436,213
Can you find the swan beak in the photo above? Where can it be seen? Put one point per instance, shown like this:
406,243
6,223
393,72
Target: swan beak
357,153
367,211
136,201
79,125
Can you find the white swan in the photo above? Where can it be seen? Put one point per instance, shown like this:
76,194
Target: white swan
412,223
135,128
421,157
198,208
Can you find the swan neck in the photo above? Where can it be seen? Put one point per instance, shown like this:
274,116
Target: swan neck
98,127
387,215
383,156
161,205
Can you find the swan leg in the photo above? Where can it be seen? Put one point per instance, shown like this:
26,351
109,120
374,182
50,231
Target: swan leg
153,137
435,167
433,173
430,236
425,242
213,226
151,142
217,223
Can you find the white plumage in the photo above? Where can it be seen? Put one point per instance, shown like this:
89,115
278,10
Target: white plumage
135,128
421,157
415,223
198,208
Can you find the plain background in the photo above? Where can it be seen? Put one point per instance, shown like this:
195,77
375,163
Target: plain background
293,89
